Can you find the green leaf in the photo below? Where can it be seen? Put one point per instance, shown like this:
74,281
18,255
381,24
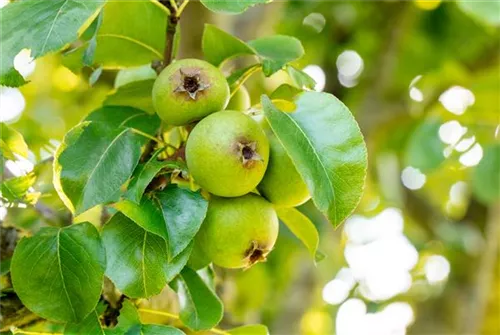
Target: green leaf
136,258
135,94
219,46
12,142
160,330
485,11
285,92
16,189
126,38
249,330
300,78
325,144
300,226
231,6
130,75
424,150
94,76
91,170
89,325
201,309
175,214
175,266
58,272
486,176
238,77
88,54
5,266
42,26
129,117
276,51
144,174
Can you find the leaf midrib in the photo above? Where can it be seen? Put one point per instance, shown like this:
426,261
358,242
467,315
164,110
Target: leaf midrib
89,179
315,154
62,276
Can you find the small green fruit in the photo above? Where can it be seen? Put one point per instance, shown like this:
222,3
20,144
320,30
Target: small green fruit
240,101
227,153
188,90
238,232
282,184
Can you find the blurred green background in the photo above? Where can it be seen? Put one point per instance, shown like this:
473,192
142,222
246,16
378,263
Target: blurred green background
420,255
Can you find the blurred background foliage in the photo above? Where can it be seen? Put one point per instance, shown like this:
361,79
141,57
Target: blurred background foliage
420,255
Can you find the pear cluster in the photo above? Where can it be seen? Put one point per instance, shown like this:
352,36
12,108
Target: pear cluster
234,157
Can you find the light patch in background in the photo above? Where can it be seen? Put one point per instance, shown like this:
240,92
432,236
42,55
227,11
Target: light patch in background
65,80
349,65
437,269
3,211
316,73
24,63
12,104
465,144
19,167
361,230
497,131
415,93
451,132
427,4
458,193
353,319
316,21
335,292
4,3
456,99
412,178
472,157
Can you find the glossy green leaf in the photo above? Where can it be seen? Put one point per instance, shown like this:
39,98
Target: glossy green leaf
300,78
92,169
160,330
12,142
201,309
132,74
135,94
127,39
136,258
58,273
424,150
231,6
285,92
42,26
16,189
88,54
249,330
300,226
238,77
89,325
485,11
129,117
144,174
276,51
94,76
327,147
486,176
219,46
175,214
175,266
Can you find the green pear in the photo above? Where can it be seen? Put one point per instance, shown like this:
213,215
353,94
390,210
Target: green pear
238,232
240,101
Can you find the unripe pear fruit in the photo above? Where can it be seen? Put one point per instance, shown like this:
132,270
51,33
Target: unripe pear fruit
240,101
282,185
238,232
188,90
227,153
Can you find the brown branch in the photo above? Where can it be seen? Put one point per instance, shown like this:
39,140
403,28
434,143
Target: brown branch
168,52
